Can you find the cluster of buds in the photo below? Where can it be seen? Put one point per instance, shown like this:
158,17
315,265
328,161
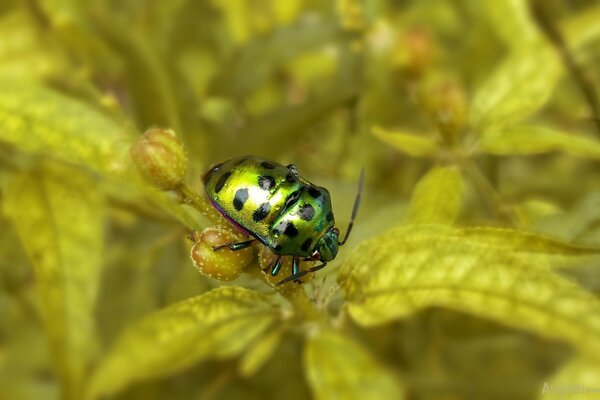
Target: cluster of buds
161,159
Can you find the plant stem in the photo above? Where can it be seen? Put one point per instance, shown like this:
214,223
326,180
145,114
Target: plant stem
304,307
193,199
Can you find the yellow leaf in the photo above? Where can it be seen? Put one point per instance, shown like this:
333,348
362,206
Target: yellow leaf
518,88
338,368
260,352
437,198
523,140
217,324
577,380
512,21
58,213
38,120
412,144
408,269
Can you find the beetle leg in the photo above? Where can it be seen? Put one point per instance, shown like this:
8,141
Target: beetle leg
296,268
276,266
235,246
301,274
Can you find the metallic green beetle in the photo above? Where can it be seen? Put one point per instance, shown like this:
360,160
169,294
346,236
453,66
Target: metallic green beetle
279,208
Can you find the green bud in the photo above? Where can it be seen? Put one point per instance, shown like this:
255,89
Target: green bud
448,106
161,158
223,264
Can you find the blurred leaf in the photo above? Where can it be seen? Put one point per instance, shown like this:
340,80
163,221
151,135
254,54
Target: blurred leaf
524,140
23,53
577,380
512,21
574,223
338,368
252,65
416,145
219,324
406,270
260,352
39,120
518,88
583,28
437,197
59,215
285,125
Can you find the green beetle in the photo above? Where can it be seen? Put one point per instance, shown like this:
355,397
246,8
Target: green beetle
279,208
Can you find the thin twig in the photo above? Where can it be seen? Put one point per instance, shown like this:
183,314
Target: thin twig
584,81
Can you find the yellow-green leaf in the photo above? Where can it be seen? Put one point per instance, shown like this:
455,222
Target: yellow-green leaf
39,120
58,213
217,324
512,21
260,352
582,29
518,88
527,139
437,198
577,380
527,245
410,143
339,368
407,269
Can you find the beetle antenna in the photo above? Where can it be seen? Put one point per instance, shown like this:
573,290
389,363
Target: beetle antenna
355,209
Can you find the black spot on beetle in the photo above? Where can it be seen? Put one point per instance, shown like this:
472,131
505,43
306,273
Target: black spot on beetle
306,245
261,212
329,217
314,192
267,165
287,228
266,182
291,177
221,182
307,212
290,230
280,228
240,198
277,247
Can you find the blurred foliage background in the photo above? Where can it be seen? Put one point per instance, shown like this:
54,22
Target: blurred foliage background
472,272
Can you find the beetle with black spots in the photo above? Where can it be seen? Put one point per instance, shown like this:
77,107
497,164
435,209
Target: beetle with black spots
276,206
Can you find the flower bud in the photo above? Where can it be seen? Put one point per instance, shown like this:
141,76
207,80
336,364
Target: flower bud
414,51
266,258
223,264
160,157
448,106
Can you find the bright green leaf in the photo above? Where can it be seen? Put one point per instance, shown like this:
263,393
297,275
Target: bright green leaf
217,324
409,269
409,143
524,140
519,87
58,213
437,198
338,368
577,380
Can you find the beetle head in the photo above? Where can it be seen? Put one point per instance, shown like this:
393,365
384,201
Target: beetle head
328,244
